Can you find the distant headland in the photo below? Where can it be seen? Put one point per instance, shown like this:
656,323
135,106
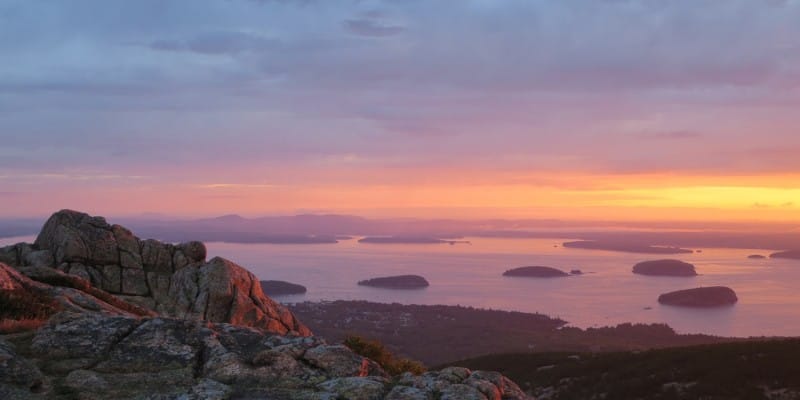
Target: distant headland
625,247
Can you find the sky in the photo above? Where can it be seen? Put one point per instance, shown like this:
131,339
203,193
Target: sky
573,109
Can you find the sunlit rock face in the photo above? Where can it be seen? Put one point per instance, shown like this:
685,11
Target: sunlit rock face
173,280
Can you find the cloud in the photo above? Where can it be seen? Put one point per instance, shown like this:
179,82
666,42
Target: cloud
787,204
230,42
269,86
673,135
235,186
371,28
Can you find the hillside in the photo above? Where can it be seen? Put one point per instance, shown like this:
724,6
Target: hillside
750,370
453,332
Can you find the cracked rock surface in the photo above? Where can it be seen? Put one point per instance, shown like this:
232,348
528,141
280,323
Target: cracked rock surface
97,356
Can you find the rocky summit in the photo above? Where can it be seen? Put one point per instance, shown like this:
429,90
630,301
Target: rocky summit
172,280
118,317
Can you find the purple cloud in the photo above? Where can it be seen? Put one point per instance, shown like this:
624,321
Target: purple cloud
673,135
218,43
371,28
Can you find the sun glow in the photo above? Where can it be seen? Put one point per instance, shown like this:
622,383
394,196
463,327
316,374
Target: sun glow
444,193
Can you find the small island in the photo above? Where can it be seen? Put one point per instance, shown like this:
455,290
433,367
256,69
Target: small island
280,288
409,240
790,254
397,282
625,247
536,272
756,257
664,268
713,296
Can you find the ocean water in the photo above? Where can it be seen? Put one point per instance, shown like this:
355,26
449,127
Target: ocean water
607,294
471,275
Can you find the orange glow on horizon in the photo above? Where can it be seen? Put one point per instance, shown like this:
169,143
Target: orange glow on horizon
634,197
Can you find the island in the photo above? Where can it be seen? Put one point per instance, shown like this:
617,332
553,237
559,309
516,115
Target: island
281,288
409,240
790,254
397,282
712,296
756,257
625,247
664,268
535,272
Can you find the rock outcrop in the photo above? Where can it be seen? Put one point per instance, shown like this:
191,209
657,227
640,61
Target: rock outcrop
712,296
397,282
51,291
206,331
279,288
664,268
94,356
172,280
536,272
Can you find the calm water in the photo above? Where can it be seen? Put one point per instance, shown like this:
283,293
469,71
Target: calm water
607,294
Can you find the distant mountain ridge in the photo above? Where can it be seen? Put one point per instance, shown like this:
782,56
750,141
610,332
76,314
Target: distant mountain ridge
326,228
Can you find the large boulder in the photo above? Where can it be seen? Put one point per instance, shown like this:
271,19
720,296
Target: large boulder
222,291
110,256
77,237
458,383
174,280
339,361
